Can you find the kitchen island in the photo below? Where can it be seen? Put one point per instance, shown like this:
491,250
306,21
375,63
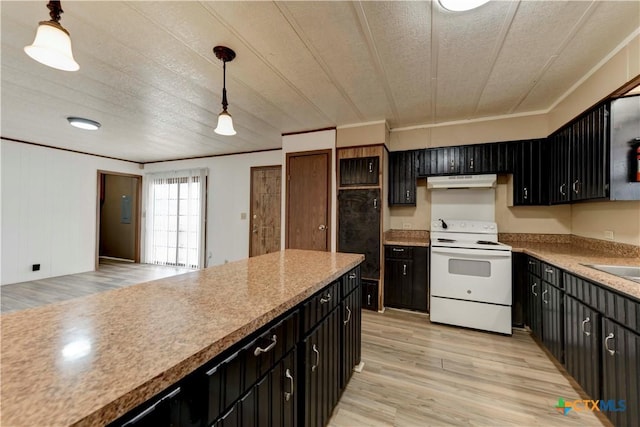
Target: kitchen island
90,360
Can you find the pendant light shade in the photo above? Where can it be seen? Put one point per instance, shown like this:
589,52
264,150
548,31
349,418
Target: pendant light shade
52,45
225,122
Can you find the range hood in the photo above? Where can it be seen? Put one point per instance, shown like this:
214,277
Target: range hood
462,181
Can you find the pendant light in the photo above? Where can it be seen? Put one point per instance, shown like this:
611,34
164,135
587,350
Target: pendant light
52,45
225,122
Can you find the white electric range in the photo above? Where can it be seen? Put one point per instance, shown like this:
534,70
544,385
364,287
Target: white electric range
470,275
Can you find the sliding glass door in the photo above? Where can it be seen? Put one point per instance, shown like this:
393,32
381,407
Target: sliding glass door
175,218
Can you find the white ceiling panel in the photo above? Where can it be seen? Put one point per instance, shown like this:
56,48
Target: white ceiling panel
148,73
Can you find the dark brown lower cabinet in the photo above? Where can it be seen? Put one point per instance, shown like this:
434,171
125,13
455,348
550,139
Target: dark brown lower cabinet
370,294
582,345
534,305
351,309
620,373
553,320
405,279
321,371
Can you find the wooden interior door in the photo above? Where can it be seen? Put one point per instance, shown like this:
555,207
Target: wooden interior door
308,200
264,224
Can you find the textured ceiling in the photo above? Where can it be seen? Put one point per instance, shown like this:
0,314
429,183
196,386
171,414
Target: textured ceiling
148,74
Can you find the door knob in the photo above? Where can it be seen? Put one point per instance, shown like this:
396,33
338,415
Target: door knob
322,227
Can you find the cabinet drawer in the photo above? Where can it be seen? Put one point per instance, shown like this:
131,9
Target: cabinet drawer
350,281
398,252
534,266
319,305
359,171
552,275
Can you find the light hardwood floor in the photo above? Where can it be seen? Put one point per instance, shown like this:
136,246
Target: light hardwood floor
112,274
420,374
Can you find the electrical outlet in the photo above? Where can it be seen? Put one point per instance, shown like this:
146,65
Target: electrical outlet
608,234
35,267
243,215
407,226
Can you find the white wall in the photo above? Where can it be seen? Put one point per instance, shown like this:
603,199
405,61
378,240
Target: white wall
321,140
228,197
49,207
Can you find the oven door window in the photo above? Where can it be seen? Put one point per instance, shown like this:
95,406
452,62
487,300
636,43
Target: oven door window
469,267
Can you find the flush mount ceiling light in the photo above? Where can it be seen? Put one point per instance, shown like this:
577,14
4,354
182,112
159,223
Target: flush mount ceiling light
85,124
461,5
225,122
52,45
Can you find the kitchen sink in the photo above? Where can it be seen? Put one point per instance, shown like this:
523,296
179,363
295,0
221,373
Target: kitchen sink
626,272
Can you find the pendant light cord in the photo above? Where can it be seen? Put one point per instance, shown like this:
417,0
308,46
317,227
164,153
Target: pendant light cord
224,86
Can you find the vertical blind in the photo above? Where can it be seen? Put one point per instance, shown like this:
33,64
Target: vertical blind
174,231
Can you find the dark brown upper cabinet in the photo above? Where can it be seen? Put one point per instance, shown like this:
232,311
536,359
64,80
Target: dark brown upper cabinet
362,171
402,178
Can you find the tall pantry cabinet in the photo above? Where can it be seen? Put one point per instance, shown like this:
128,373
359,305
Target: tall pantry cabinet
360,212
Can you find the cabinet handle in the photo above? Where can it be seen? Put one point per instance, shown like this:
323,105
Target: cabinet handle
352,276
584,322
562,191
575,186
368,299
533,289
348,314
404,269
452,164
546,301
408,196
397,249
258,350
315,365
606,343
471,166
326,299
526,193
287,395
531,263
375,203
370,167
151,408
548,270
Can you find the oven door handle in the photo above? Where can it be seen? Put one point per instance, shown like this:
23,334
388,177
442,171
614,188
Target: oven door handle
470,253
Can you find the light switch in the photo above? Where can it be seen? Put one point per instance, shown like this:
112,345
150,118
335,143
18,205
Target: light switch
608,234
243,215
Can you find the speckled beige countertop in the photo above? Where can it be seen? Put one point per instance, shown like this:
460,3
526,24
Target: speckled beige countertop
407,238
89,360
572,256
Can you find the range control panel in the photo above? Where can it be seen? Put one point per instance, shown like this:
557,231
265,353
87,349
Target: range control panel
463,226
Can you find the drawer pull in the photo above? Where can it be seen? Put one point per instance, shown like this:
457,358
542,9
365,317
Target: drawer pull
532,263
370,167
258,350
352,276
546,301
606,343
563,188
584,322
348,314
533,287
326,299
404,269
288,394
397,249
548,270
368,299
315,365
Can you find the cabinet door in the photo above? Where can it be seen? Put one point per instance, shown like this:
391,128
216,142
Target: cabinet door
424,163
420,280
321,371
553,320
398,284
529,182
402,178
582,345
589,155
447,160
478,158
559,148
351,311
359,171
621,372
534,305
370,294
359,227
274,398
164,411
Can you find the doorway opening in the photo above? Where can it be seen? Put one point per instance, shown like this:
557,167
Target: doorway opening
118,217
